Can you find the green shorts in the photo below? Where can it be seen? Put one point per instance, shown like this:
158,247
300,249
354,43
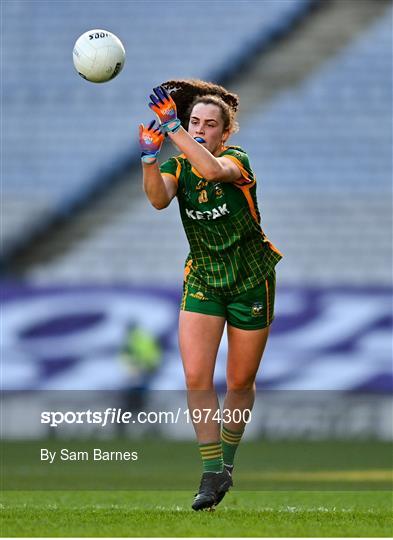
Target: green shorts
250,310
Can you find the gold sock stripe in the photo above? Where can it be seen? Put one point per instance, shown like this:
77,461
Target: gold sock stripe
217,455
208,446
205,452
230,432
211,451
230,437
208,450
230,441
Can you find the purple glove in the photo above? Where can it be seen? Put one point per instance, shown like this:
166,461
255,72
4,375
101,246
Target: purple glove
150,142
165,108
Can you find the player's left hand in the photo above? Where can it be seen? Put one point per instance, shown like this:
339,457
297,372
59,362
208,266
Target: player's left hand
150,142
165,108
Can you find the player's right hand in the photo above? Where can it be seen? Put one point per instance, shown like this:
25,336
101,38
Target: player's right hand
150,142
165,108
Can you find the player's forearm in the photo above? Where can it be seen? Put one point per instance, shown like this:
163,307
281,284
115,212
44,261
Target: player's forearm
154,186
205,163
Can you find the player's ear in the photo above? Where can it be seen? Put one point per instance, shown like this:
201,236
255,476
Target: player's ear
225,136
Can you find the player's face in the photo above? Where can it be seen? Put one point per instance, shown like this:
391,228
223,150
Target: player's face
206,122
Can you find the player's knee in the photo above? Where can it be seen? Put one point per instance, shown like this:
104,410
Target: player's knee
237,383
198,381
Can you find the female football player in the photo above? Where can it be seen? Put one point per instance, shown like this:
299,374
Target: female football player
230,271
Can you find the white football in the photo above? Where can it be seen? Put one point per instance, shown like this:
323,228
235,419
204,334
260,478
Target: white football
98,56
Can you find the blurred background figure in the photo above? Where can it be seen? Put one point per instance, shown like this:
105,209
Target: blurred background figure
141,355
141,352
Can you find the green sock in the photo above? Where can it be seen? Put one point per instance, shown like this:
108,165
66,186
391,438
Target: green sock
230,441
211,454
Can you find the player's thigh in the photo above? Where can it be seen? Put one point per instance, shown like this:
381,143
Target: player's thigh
249,316
245,351
254,308
199,339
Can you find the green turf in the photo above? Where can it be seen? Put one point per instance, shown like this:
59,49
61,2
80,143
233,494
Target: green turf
310,488
167,514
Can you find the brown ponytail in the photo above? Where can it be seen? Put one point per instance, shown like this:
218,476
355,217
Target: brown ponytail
187,93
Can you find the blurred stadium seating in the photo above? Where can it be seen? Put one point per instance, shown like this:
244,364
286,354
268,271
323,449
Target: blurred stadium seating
66,136
322,156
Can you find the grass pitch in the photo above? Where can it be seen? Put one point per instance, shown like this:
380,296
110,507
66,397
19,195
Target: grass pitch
168,514
309,489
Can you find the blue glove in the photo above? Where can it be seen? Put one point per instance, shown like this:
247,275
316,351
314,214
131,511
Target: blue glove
165,108
150,142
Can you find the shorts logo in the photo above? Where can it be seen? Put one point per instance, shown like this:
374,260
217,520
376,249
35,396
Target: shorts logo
257,309
199,296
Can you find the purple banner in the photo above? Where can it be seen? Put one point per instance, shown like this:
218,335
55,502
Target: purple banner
75,338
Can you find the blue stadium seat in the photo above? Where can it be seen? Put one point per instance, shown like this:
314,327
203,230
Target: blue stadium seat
333,133
63,133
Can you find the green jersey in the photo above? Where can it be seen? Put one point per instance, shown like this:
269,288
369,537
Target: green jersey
229,252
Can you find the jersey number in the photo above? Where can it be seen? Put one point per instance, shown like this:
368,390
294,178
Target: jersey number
203,196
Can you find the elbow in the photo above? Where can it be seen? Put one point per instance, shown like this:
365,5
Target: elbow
157,202
213,173
159,205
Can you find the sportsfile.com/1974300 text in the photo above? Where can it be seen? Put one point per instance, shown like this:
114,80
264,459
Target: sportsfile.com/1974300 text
112,415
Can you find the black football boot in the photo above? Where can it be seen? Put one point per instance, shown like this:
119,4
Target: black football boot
211,486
